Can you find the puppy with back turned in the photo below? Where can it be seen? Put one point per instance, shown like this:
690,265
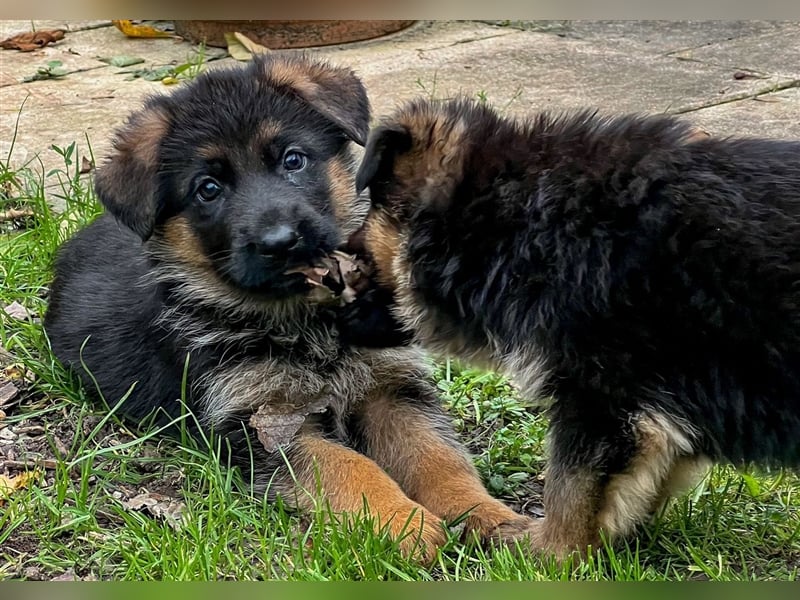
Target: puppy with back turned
642,276
223,201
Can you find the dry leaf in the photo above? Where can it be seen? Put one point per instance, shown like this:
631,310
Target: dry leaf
15,372
32,40
17,311
8,391
68,575
9,485
242,47
139,31
338,277
15,214
86,165
158,505
276,424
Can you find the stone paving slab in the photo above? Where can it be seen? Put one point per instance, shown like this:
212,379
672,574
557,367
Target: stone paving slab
540,71
658,37
774,53
770,115
692,68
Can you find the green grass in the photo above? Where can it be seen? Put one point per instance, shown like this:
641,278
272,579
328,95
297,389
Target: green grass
734,526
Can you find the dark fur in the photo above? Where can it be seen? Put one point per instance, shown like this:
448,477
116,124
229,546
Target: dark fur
649,275
167,275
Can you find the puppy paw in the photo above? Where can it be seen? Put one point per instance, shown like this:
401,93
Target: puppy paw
419,532
533,537
525,531
494,522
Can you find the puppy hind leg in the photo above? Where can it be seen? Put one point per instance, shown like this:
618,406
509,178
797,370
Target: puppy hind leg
607,474
663,462
353,484
687,472
411,439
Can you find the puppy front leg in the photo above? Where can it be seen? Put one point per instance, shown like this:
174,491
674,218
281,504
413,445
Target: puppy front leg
348,480
410,437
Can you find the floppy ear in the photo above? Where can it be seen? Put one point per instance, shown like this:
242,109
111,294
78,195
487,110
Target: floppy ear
335,92
385,143
127,183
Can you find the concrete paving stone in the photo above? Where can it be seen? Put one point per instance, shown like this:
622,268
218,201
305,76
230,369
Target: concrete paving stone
12,27
659,37
770,115
530,71
774,53
60,116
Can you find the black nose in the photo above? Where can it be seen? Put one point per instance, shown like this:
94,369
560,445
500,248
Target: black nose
278,240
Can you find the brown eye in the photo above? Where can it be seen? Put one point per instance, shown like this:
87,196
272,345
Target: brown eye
294,160
208,190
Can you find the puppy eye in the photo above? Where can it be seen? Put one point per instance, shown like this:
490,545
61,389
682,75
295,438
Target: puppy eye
208,190
294,160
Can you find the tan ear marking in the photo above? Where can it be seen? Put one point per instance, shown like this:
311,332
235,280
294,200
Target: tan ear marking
335,92
141,137
126,182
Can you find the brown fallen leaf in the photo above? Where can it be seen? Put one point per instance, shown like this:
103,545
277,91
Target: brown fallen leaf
338,277
276,424
139,31
8,391
86,165
32,40
158,505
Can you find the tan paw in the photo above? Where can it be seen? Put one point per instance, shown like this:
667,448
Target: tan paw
420,533
535,537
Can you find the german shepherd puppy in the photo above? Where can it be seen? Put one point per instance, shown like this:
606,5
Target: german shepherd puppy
644,276
215,196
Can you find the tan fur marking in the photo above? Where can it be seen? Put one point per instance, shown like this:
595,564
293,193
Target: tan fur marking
685,474
570,524
295,75
211,152
430,470
183,243
697,135
268,131
141,139
383,241
630,497
434,164
347,479
348,211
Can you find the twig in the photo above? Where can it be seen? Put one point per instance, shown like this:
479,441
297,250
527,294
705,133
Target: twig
47,463
12,214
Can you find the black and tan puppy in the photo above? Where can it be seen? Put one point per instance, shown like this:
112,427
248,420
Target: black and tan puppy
647,276
216,196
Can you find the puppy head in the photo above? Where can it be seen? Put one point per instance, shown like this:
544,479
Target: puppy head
244,173
413,162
